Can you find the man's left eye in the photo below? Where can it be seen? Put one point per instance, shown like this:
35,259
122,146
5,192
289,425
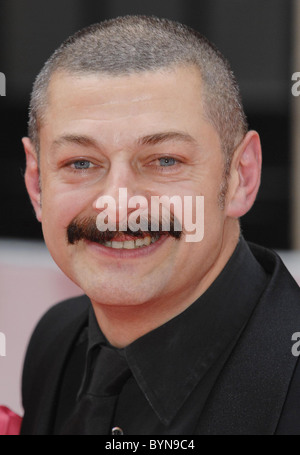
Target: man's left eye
167,161
82,164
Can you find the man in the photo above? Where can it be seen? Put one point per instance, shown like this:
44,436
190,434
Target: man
172,336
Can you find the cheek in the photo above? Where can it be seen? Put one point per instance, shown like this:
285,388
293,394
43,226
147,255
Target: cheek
59,207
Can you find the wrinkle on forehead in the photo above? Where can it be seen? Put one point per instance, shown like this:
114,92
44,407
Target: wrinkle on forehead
113,90
129,106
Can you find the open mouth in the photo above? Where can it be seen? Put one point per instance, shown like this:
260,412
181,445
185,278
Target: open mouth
87,230
127,242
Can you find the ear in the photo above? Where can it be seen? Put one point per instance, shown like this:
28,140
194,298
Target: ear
32,177
244,177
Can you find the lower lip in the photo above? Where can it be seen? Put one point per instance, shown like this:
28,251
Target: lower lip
122,253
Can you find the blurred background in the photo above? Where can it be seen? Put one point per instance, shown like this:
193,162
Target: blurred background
262,42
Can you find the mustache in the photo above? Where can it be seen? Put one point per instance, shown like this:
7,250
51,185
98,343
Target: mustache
85,228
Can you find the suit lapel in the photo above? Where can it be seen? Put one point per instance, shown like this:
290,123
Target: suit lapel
250,393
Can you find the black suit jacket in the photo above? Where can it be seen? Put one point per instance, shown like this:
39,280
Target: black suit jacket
257,391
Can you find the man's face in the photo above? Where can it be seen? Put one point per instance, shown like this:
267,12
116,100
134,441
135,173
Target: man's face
147,133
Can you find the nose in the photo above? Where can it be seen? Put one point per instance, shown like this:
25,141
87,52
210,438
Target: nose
120,195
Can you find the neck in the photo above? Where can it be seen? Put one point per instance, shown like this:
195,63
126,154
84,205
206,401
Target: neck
123,324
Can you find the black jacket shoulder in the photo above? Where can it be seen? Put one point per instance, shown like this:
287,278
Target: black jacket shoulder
56,322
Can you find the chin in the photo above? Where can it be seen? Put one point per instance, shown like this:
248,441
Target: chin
118,298
122,292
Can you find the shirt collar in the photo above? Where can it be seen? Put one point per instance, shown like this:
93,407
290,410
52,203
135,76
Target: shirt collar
169,361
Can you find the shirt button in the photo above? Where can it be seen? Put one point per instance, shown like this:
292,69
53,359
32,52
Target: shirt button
117,431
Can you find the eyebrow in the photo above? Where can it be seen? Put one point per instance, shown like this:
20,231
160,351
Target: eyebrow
85,141
158,138
151,139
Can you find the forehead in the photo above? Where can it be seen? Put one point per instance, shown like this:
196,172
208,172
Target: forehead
105,90
170,99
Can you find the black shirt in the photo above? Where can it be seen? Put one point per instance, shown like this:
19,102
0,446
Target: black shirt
172,369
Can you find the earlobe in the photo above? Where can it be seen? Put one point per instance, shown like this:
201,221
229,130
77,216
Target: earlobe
32,177
245,176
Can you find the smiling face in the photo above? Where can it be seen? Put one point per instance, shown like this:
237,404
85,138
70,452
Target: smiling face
147,133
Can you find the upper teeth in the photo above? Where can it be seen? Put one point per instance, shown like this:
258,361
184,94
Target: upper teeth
130,244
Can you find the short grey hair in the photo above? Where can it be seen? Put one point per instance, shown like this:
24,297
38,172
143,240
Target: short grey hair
133,44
